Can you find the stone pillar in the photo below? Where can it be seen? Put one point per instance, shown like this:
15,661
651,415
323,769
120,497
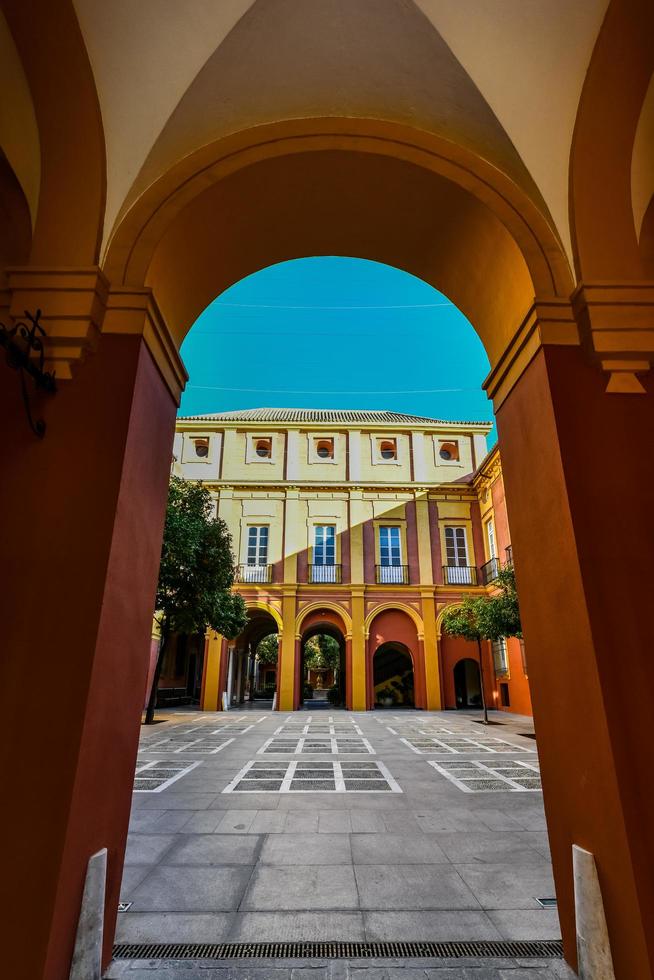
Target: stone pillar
579,470
211,673
81,519
286,668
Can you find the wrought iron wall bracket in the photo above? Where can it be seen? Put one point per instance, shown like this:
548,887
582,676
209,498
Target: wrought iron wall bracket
25,353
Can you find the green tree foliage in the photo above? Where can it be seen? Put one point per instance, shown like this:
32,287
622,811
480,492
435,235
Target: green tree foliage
267,651
196,574
488,617
322,651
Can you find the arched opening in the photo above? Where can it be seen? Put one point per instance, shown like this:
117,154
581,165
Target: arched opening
467,684
249,671
322,668
393,677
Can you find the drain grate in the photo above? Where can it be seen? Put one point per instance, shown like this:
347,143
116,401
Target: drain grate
500,948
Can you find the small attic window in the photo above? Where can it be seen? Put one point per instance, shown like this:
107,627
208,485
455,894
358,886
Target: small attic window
449,450
388,448
325,448
201,448
263,448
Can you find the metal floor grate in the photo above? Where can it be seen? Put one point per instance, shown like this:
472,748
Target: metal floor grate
339,950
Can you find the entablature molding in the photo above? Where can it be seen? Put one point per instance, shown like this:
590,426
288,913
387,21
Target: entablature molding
78,304
612,321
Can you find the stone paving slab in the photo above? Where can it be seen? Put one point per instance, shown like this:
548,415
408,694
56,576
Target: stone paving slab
429,863
492,969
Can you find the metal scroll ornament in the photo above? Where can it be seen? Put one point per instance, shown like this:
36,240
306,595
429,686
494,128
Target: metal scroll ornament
25,353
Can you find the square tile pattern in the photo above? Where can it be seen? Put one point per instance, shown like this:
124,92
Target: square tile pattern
153,777
424,742
313,777
507,776
311,744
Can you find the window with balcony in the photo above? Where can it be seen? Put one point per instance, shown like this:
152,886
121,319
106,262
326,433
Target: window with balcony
390,569
490,538
457,571
256,568
500,657
324,567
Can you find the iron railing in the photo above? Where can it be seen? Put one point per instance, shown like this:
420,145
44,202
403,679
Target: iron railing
325,574
254,573
392,574
490,570
459,574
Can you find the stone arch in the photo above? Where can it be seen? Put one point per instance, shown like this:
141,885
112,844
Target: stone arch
402,607
398,624
69,219
314,607
335,180
604,240
266,607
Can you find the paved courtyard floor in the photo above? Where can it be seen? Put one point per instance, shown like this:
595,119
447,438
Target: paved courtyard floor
253,826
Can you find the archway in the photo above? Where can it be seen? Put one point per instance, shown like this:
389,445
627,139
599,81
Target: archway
322,677
467,684
502,250
246,673
393,677
396,630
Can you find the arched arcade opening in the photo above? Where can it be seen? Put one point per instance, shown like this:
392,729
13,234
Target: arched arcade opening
393,677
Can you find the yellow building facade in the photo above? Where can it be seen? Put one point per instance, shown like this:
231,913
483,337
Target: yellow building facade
361,525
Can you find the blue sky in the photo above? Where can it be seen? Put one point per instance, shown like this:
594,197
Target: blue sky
333,332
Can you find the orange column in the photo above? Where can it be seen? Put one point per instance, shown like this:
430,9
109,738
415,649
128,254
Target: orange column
579,471
81,519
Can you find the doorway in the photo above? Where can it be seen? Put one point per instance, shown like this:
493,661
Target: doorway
467,684
393,679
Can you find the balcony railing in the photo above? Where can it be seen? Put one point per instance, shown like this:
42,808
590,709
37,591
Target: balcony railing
509,555
254,573
325,574
459,575
392,574
490,570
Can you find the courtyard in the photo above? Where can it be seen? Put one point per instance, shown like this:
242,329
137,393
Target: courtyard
333,826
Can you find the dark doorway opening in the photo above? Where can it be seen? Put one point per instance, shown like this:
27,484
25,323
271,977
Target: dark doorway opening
467,684
321,680
393,680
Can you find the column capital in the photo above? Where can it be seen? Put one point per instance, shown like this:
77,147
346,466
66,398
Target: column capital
133,310
616,321
78,304
549,320
72,302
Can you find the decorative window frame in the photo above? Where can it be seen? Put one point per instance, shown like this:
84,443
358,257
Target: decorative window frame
251,448
188,447
438,443
312,449
379,522
466,523
376,439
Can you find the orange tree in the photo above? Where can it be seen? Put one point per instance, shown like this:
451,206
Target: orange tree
196,574
490,617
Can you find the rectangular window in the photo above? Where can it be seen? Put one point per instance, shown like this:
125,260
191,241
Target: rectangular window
500,657
456,553
524,658
490,536
390,555
257,554
257,545
324,545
